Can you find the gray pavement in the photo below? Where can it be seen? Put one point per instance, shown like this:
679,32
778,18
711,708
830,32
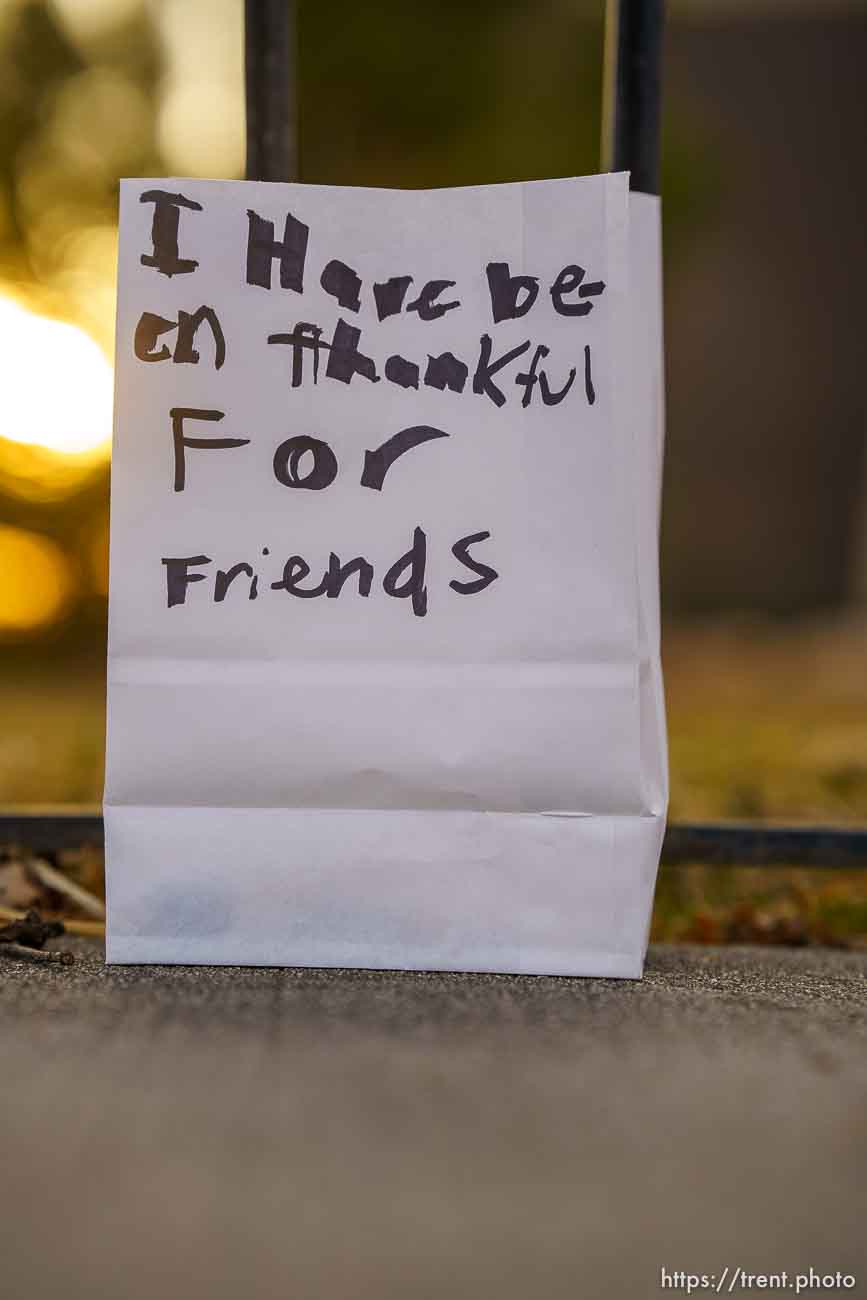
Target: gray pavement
235,1134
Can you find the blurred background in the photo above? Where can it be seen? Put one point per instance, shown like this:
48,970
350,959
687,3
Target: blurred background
765,508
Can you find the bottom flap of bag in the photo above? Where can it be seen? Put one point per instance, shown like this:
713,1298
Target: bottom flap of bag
532,893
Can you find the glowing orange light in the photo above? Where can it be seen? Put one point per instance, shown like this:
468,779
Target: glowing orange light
57,385
35,580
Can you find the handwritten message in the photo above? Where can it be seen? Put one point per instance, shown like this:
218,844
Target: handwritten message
274,258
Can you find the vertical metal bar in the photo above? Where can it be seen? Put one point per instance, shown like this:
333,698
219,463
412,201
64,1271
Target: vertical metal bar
633,90
270,81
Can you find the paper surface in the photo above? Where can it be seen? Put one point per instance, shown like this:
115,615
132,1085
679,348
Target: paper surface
384,683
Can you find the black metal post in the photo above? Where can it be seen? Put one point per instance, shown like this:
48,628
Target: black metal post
269,72
633,90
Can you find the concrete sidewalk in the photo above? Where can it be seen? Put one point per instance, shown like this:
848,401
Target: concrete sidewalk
225,1133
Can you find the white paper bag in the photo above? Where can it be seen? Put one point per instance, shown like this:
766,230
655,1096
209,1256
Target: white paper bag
384,676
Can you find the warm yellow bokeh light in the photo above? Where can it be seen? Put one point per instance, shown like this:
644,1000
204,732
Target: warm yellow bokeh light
91,18
56,389
35,580
201,122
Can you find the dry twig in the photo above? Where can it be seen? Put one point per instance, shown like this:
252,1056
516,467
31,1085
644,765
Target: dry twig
25,938
51,878
23,953
90,929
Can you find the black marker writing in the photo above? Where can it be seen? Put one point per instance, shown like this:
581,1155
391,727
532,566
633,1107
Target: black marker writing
405,579
487,575
290,455
178,415
151,327
263,249
377,463
569,279
178,576
505,290
165,257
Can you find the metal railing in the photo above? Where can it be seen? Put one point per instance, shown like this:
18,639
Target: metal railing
631,142
716,844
